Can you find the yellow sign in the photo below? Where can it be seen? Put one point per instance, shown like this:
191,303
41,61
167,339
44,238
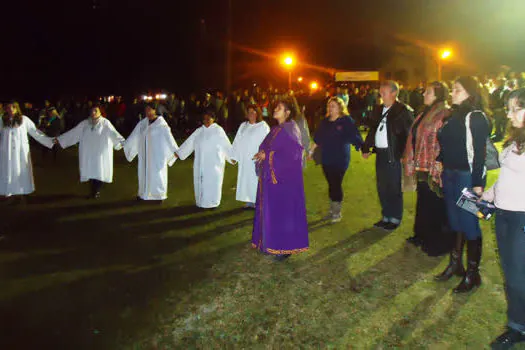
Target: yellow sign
356,76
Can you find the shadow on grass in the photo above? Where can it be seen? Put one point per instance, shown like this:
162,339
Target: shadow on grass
103,311
49,199
395,272
350,245
443,322
404,328
130,239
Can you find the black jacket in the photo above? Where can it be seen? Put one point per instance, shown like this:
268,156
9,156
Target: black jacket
399,121
452,138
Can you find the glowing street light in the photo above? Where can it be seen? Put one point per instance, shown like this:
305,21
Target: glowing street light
300,79
314,85
445,54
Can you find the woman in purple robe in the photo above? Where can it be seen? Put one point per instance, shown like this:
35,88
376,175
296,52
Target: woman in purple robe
280,227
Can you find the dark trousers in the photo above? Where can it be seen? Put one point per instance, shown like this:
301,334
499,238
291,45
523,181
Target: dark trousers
334,176
510,235
96,185
431,223
388,177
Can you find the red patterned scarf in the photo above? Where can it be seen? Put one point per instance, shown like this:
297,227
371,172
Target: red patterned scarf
421,156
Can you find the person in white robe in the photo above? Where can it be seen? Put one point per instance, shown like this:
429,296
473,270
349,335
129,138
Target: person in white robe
16,169
212,149
245,145
155,146
97,138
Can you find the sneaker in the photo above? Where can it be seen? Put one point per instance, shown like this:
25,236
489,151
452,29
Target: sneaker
336,218
390,226
381,224
507,340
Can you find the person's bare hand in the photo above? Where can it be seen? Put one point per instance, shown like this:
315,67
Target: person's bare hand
260,156
478,190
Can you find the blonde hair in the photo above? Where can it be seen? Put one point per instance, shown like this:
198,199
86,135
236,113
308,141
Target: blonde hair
342,106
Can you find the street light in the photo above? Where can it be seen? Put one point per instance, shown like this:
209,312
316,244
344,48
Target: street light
314,85
444,55
300,79
288,62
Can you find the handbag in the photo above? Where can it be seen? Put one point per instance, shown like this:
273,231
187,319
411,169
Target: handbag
492,156
491,153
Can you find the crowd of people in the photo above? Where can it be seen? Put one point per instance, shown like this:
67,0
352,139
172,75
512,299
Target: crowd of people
425,139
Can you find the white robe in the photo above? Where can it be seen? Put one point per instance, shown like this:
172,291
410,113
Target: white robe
246,144
16,170
156,148
212,148
95,150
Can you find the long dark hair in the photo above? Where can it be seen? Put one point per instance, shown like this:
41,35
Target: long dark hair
289,105
440,91
17,118
517,135
477,100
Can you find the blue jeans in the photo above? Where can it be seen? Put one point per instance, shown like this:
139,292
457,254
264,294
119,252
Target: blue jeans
510,236
454,181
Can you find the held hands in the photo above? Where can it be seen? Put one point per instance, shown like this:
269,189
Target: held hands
311,152
310,156
366,155
259,157
55,141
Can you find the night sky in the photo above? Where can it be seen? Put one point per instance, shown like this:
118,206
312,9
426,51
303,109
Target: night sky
96,47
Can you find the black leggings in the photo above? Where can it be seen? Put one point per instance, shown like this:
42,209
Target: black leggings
334,177
96,185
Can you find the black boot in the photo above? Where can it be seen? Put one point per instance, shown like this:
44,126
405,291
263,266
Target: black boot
507,340
455,265
472,278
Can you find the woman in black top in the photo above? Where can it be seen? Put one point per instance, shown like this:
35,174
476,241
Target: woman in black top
462,139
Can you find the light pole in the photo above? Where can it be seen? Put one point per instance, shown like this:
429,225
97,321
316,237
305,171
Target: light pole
444,55
288,62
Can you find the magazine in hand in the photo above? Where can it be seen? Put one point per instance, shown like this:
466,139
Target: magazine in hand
470,202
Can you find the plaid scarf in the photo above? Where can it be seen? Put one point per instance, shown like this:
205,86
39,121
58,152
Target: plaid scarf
420,157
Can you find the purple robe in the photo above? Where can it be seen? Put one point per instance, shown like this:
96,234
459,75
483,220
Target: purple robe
280,225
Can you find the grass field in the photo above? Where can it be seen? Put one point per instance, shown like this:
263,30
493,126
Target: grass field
115,274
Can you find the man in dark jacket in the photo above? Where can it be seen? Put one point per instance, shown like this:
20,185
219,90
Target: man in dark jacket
389,127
